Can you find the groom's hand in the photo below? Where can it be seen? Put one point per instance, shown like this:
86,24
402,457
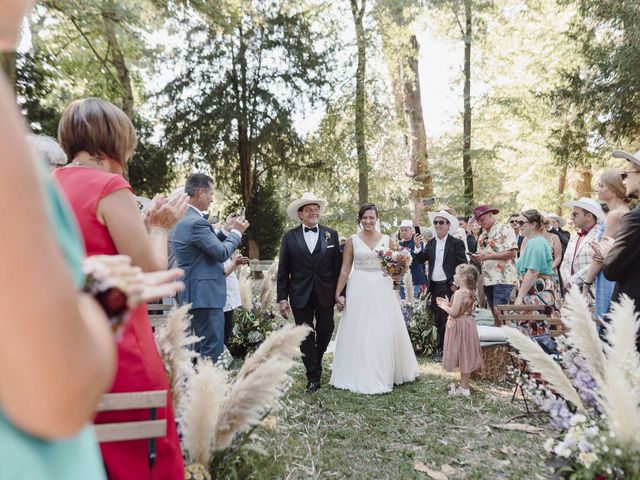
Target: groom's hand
340,303
285,309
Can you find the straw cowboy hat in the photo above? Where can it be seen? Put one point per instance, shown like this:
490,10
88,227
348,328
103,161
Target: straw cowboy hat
635,158
307,199
453,221
589,205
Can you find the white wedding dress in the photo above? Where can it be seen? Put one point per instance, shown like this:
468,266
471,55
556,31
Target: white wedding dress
373,351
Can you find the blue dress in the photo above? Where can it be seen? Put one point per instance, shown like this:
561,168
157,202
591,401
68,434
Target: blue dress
604,287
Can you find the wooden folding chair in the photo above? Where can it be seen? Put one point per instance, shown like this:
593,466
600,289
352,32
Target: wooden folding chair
158,313
137,430
521,316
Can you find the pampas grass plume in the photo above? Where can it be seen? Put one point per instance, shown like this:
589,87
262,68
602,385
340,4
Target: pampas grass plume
172,340
582,334
621,388
200,415
244,286
408,285
284,342
542,363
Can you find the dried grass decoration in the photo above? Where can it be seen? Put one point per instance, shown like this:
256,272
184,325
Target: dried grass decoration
602,382
216,412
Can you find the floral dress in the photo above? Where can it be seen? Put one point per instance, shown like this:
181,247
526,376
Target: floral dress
500,238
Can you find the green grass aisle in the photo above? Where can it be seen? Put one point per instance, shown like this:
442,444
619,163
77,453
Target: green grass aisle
338,434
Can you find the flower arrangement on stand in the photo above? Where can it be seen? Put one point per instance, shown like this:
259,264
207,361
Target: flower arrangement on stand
592,394
258,316
395,262
216,414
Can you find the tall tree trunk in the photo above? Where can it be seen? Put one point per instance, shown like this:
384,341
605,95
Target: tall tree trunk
584,186
466,145
363,167
8,65
117,57
415,122
562,185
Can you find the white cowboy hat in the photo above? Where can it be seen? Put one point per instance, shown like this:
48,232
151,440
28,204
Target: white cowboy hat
589,205
635,158
452,220
307,198
558,218
406,223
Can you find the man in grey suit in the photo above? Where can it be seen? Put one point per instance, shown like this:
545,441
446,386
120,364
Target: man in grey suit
200,253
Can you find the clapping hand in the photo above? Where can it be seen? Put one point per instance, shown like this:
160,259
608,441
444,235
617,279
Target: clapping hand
234,221
166,212
601,249
442,301
139,287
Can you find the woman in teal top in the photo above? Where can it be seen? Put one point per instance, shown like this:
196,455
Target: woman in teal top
535,264
28,457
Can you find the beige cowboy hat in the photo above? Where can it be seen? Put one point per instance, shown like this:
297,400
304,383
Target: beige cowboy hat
406,223
635,158
589,205
306,199
453,221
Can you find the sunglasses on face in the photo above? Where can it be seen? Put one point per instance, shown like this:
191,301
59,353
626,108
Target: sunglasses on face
624,175
440,222
513,221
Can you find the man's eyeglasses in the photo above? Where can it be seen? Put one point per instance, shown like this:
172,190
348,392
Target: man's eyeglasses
440,222
519,222
624,175
513,221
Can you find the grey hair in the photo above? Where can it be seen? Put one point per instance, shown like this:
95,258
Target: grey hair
195,182
48,150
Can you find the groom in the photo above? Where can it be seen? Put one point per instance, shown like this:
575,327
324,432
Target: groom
308,271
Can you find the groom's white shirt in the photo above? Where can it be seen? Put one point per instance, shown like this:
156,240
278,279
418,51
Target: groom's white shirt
311,238
438,272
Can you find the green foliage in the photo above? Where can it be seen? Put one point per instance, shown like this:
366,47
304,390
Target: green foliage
420,325
251,328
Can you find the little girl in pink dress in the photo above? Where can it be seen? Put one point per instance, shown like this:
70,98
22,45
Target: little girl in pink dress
461,341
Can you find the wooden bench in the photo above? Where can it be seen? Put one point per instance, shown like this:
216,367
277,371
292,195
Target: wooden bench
158,319
522,315
137,430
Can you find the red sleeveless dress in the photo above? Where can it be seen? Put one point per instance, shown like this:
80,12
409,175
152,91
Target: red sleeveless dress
139,364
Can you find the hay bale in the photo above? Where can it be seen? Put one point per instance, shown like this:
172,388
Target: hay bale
496,363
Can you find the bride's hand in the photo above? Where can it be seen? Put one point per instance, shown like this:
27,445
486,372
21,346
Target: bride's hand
340,302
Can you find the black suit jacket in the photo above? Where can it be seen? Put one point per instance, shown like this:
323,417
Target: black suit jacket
300,273
454,255
623,261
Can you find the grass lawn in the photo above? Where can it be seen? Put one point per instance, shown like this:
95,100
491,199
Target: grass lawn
338,434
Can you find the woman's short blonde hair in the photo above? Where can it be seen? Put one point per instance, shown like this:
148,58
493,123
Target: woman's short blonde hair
97,127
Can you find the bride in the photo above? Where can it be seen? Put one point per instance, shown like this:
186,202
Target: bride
373,351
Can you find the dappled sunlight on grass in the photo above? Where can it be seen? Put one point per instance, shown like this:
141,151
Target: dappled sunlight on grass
340,434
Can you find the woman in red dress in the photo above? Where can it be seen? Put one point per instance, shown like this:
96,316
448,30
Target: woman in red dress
99,139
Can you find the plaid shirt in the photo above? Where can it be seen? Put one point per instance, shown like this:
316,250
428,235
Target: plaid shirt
577,261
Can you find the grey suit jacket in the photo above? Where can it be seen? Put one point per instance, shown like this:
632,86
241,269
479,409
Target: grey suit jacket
200,253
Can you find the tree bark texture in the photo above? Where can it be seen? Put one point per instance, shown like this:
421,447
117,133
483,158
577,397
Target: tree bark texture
562,185
415,123
117,57
363,167
466,147
8,65
584,187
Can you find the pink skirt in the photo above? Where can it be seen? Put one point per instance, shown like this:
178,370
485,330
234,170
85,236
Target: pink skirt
461,345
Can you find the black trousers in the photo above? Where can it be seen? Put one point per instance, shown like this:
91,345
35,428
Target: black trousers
440,289
314,346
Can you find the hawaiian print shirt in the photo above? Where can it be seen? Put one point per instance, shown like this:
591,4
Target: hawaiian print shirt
500,238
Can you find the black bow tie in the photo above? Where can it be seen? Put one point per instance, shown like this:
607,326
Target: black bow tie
205,216
312,229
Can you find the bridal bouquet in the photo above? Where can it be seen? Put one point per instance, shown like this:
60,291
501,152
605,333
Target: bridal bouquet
395,263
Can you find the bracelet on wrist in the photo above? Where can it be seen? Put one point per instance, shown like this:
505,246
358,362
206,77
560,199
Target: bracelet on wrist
112,299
